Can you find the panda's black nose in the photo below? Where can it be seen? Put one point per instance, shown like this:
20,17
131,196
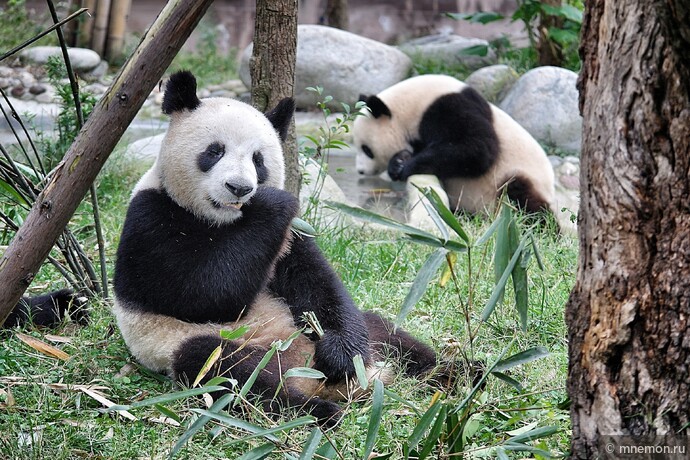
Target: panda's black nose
238,190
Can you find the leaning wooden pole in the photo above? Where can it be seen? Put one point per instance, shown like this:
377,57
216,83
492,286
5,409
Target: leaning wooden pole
85,158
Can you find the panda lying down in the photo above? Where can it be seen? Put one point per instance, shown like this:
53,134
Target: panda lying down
207,245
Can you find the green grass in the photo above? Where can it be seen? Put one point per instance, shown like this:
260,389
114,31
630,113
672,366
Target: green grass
40,421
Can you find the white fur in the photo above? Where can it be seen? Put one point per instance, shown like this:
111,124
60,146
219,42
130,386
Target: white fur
242,129
519,153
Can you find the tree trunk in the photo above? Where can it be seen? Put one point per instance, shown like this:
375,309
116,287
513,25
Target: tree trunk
84,159
628,314
337,14
272,67
550,52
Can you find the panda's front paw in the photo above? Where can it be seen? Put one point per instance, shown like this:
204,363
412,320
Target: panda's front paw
334,354
396,166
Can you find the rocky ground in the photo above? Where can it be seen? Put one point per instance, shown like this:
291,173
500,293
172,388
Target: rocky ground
543,100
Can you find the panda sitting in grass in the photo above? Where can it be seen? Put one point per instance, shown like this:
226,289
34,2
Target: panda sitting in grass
207,245
437,125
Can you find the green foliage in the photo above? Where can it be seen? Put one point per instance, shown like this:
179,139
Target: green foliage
211,67
53,146
564,37
16,25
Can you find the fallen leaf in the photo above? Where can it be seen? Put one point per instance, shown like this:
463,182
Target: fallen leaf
106,402
43,347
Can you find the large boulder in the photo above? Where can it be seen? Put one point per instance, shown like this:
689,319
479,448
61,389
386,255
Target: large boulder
451,48
545,102
82,59
493,82
344,64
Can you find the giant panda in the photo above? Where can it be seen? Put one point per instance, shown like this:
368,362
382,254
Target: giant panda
436,124
48,310
207,245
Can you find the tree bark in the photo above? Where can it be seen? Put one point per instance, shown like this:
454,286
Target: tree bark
108,121
629,335
337,14
272,67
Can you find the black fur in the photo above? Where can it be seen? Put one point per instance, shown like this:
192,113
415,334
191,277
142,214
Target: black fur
521,191
209,157
281,116
180,93
172,263
343,323
261,169
456,139
48,310
377,107
238,362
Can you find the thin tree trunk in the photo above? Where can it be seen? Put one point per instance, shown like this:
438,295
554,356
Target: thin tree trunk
337,14
108,121
272,67
86,23
628,314
550,52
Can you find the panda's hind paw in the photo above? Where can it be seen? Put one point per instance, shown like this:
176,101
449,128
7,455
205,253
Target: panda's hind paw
328,414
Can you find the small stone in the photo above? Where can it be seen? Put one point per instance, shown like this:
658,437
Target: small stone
17,91
555,161
37,89
570,182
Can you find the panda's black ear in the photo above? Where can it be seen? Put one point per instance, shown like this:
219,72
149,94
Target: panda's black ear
362,98
180,93
281,116
378,107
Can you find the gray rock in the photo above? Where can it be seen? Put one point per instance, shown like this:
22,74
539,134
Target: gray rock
344,64
82,59
37,89
450,48
145,149
97,72
493,82
545,102
44,114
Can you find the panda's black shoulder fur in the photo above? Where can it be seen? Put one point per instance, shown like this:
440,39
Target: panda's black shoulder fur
463,120
180,93
457,138
173,263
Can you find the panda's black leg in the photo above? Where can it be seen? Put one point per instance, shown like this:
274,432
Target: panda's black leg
48,310
239,362
417,358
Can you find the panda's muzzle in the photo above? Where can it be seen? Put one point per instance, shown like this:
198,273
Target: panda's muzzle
239,190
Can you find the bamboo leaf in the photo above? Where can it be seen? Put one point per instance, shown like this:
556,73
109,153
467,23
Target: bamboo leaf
501,454
327,451
168,412
421,283
435,434
259,367
451,260
509,380
303,227
482,17
502,252
423,425
13,193
435,217
374,419
372,217
199,423
534,434
210,361
170,397
235,333
501,284
360,371
43,347
258,453
255,430
310,447
488,233
435,242
446,214
304,372
520,358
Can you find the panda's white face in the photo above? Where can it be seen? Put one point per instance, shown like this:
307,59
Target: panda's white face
214,158
377,140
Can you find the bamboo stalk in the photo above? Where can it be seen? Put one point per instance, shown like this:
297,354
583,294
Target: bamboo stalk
100,27
75,174
119,10
86,23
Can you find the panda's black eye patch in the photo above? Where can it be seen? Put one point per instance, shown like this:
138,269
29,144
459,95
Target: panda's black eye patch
367,151
209,157
261,169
